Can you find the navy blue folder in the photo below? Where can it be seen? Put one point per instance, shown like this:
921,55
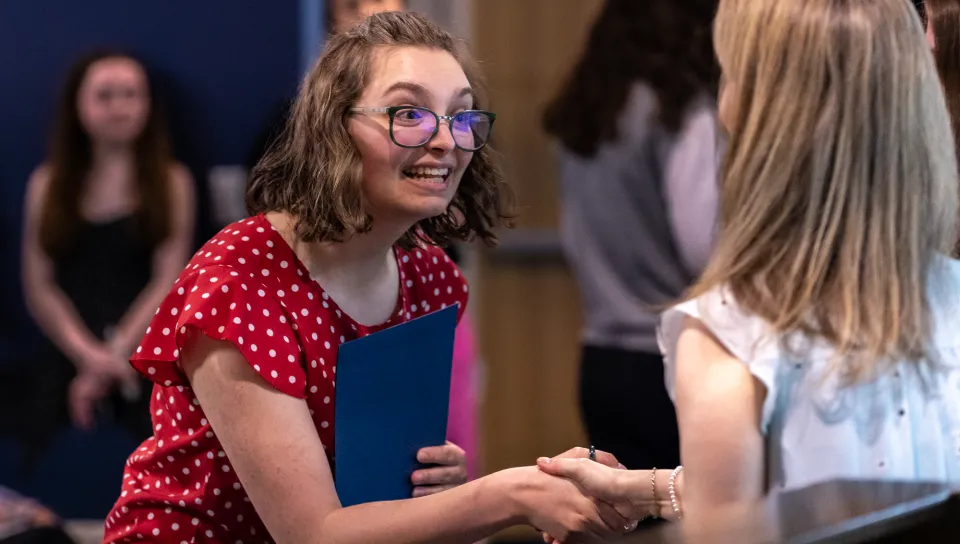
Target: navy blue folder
393,397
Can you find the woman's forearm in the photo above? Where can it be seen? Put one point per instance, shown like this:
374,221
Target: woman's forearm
56,316
465,514
647,494
129,331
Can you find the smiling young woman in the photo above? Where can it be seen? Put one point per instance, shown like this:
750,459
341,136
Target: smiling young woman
383,160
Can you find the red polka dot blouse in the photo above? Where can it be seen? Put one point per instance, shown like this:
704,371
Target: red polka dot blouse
248,287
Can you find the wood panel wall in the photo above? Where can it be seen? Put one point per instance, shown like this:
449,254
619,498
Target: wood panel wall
528,311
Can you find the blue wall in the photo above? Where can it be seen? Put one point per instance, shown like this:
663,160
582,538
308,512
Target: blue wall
222,68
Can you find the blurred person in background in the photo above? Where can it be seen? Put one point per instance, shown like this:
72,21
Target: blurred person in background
638,158
942,18
108,226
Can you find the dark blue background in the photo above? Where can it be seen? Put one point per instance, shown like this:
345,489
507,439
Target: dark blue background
222,67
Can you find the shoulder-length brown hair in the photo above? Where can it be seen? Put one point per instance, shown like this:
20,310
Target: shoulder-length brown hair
663,43
838,190
314,170
70,156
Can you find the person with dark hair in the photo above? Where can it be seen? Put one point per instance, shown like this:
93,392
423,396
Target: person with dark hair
384,160
942,18
943,35
109,224
635,123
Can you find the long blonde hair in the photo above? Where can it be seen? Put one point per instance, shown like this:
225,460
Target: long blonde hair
839,182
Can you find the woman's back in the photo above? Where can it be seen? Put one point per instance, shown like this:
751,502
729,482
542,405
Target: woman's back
903,425
636,218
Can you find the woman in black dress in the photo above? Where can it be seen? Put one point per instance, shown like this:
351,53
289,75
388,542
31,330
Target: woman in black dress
109,225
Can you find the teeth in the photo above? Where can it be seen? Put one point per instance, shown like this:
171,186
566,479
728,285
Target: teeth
422,171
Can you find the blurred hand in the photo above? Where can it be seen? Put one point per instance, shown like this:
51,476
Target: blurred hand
126,375
451,469
86,390
101,359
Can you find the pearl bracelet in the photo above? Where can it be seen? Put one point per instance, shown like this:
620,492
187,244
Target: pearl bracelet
673,491
653,486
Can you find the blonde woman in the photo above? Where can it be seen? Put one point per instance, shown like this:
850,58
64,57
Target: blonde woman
823,339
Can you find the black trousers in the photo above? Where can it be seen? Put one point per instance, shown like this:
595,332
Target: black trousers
626,409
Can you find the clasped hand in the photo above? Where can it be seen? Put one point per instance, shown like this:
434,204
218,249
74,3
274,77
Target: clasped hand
602,482
100,366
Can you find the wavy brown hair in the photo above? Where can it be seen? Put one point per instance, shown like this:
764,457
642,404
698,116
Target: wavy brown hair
314,171
70,156
839,184
663,43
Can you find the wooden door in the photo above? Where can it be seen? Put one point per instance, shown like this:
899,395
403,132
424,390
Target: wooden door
526,302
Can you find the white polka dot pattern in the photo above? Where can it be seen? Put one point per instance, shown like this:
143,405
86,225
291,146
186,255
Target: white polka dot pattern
219,308
245,286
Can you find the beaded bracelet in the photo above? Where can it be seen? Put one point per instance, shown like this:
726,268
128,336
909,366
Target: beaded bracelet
673,492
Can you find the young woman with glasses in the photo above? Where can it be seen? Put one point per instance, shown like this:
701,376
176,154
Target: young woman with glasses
384,159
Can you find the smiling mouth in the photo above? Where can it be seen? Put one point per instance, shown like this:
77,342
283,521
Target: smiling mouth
426,174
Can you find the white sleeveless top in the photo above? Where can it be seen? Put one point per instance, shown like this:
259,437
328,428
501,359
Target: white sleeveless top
895,427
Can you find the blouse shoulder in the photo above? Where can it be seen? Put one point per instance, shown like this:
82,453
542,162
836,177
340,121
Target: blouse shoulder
434,281
746,336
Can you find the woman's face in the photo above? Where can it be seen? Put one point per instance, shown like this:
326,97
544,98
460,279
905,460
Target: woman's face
113,102
931,40
404,185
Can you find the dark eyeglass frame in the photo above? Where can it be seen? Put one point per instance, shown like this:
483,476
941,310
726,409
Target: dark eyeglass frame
391,112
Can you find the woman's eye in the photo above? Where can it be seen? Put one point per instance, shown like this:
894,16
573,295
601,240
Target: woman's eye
410,115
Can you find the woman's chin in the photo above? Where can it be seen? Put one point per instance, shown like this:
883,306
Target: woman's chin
412,212
427,208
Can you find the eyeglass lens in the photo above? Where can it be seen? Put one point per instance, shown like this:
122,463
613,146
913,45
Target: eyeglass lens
414,127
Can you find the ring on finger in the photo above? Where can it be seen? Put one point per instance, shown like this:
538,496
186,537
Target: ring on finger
632,526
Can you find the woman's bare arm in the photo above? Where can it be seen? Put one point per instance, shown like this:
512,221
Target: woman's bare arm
48,304
168,261
273,445
719,405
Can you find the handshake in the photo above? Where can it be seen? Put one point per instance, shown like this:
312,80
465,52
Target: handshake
588,496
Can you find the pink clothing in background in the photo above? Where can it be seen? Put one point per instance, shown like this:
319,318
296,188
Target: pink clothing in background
462,422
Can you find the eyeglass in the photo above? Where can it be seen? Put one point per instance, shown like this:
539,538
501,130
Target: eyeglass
412,126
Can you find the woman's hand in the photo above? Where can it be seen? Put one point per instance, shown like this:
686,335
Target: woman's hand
451,469
602,457
629,491
86,390
557,507
100,358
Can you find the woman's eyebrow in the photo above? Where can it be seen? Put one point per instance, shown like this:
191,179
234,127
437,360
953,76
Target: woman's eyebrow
421,92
